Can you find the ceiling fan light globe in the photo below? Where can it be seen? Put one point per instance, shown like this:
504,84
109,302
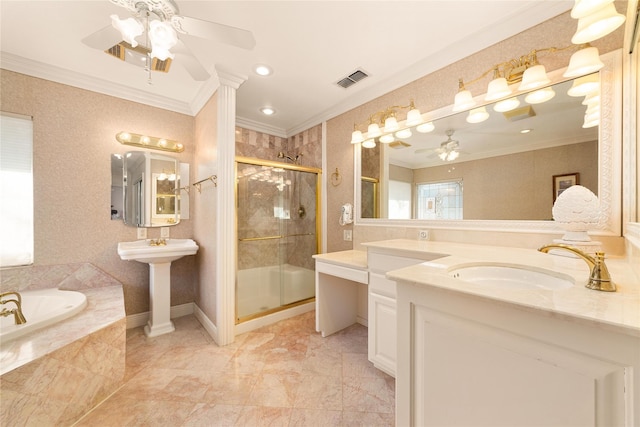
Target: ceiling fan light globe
129,28
163,37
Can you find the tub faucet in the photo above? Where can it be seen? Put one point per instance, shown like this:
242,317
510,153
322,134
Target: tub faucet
17,311
599,279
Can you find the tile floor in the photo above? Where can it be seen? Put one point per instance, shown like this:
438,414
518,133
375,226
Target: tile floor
284,374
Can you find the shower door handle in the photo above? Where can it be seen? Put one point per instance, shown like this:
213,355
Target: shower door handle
253,239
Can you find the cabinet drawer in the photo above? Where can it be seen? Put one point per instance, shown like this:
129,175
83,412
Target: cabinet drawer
378,284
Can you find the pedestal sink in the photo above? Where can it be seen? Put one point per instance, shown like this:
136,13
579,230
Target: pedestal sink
159,258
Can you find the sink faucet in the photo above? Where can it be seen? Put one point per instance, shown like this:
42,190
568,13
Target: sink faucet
599,279
17,311
157,242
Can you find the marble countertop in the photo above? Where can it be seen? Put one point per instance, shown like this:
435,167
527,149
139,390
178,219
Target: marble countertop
618,310
351,259
105,306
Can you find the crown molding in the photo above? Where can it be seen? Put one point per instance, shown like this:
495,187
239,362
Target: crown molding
261,127
41,70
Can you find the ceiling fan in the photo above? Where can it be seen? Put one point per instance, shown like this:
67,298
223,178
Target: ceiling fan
448,150
150,39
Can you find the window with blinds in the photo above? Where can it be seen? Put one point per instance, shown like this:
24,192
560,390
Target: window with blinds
16,190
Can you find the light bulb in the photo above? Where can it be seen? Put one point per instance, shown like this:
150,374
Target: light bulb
390,124
404,133
386,139
477,115
534,77
373,131
425,127
540,96
414,117
583,62
498,88
586,85
369,143
597,24
463,101
356,137
506,105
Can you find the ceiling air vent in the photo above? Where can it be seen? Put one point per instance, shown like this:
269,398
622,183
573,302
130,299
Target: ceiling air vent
352,79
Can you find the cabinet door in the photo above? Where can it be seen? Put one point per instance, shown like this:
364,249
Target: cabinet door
382,333
465,373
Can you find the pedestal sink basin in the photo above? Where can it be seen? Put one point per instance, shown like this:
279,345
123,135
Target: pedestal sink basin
511,277
159,258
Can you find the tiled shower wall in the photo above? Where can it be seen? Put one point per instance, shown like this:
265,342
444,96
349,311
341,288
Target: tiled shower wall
258,199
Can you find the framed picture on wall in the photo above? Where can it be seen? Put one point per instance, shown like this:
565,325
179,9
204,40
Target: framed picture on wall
562,182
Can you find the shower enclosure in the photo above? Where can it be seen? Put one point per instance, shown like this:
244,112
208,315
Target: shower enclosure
278,229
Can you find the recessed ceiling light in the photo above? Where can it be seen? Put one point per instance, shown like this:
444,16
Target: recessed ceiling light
525,131
268,111
262,70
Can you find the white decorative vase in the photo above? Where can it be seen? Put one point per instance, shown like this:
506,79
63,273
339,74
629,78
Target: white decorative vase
577,210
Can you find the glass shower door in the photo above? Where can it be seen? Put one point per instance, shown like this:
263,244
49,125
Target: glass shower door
277,236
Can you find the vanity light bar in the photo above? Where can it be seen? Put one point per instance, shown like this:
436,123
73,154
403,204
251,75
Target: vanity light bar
144,141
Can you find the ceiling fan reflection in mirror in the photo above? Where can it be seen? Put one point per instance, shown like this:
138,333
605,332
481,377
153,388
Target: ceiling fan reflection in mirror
448,150
150,38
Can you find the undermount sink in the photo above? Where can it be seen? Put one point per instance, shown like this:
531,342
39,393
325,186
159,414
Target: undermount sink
511,277
144,251
158,254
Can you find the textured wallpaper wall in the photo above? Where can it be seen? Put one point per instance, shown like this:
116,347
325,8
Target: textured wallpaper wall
74,136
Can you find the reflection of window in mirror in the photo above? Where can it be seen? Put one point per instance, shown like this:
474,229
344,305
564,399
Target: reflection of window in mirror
439,200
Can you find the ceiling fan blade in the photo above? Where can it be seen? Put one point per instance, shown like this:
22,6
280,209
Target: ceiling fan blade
184,57
214,31
103,39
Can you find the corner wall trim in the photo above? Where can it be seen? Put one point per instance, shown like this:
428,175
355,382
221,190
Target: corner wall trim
206,323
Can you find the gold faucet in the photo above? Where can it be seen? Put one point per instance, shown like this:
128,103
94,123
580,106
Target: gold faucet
599,279
158,242
17,311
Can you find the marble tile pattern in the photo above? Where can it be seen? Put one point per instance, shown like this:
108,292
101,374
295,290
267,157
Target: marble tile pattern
283,374
54,375
256,200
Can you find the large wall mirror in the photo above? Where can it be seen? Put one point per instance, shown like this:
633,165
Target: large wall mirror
508,168
145,189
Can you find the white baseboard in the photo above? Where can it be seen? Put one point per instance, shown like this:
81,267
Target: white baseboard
269,319
141,319
206,323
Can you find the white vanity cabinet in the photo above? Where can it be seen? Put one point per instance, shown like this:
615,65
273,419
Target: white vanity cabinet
382,302
472,361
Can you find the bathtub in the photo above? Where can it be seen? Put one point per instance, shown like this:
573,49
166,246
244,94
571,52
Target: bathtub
41,308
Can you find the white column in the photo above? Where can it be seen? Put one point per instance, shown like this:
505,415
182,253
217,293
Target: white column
225,211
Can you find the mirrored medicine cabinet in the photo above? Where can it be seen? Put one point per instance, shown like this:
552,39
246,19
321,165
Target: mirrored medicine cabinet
145,189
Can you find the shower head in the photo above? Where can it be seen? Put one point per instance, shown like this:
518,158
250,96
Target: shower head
281,155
